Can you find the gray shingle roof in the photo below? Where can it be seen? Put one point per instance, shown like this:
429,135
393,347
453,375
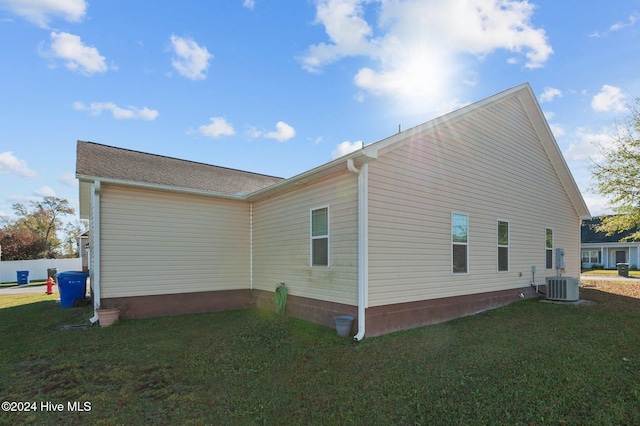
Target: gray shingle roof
101,161
589,234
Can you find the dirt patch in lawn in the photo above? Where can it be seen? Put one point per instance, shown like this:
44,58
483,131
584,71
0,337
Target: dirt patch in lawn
618,294
616,287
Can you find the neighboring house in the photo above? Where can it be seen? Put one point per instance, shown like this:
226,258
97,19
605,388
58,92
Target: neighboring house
442,220
83,249
606,251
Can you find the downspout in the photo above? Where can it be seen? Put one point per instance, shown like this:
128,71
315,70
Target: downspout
95,252
251,246
363,243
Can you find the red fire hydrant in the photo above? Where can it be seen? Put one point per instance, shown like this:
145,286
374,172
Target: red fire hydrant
50,284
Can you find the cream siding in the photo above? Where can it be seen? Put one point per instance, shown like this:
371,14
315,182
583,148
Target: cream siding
489,165
281,241
164,243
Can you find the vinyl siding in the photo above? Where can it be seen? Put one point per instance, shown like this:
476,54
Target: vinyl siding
281,241
165,243
488,165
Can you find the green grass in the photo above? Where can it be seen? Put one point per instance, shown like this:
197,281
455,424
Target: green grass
530,363
609,272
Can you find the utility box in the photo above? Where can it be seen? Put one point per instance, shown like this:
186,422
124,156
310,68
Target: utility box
560,258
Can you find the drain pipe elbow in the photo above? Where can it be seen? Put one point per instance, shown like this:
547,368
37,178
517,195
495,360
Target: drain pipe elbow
361,328
351,166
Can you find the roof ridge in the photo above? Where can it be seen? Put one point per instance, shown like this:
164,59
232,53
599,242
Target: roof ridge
177,159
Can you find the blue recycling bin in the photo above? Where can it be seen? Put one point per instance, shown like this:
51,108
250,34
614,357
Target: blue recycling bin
23,277
72,285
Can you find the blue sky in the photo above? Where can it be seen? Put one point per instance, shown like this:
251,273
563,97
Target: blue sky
280,87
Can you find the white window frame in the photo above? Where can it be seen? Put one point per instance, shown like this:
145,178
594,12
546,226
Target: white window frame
454,243
499,246
548,249
590,254
316,237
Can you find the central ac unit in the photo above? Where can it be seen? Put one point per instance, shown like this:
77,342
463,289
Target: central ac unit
566,289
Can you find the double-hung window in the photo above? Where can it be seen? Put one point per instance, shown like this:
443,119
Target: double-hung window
503,246
549,248
590,256
320,236
459,243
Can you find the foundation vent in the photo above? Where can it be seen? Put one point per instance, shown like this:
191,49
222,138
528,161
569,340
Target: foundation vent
565,289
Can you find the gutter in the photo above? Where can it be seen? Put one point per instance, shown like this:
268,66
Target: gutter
162,187
94,267
363,243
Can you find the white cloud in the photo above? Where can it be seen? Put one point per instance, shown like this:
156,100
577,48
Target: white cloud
345,148
598,206
589,144
283,132
10,164
191,60
252,132
417,48
610,98
79,58
218,127
45,191
129,113
549,94
249,4
40,12
557,130
631,21
68,179
346,27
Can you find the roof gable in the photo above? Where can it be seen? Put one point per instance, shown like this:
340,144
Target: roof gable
136,168
101,162
525,96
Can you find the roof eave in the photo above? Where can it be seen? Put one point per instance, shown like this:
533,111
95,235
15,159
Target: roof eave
160,187
361,156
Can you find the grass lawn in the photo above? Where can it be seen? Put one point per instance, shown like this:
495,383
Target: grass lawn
530,363
609,272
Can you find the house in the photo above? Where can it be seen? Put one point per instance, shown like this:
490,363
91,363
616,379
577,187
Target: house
446,219
606,251
82,242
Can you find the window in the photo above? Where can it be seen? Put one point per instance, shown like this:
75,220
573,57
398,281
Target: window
459,243
549,249
503,246
320,237
590,256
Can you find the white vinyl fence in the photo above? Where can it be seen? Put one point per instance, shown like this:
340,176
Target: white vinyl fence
37,268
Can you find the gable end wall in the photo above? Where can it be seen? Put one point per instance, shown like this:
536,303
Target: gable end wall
489,165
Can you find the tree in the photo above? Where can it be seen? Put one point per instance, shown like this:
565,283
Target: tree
617,177
20,244
71,232
34,233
